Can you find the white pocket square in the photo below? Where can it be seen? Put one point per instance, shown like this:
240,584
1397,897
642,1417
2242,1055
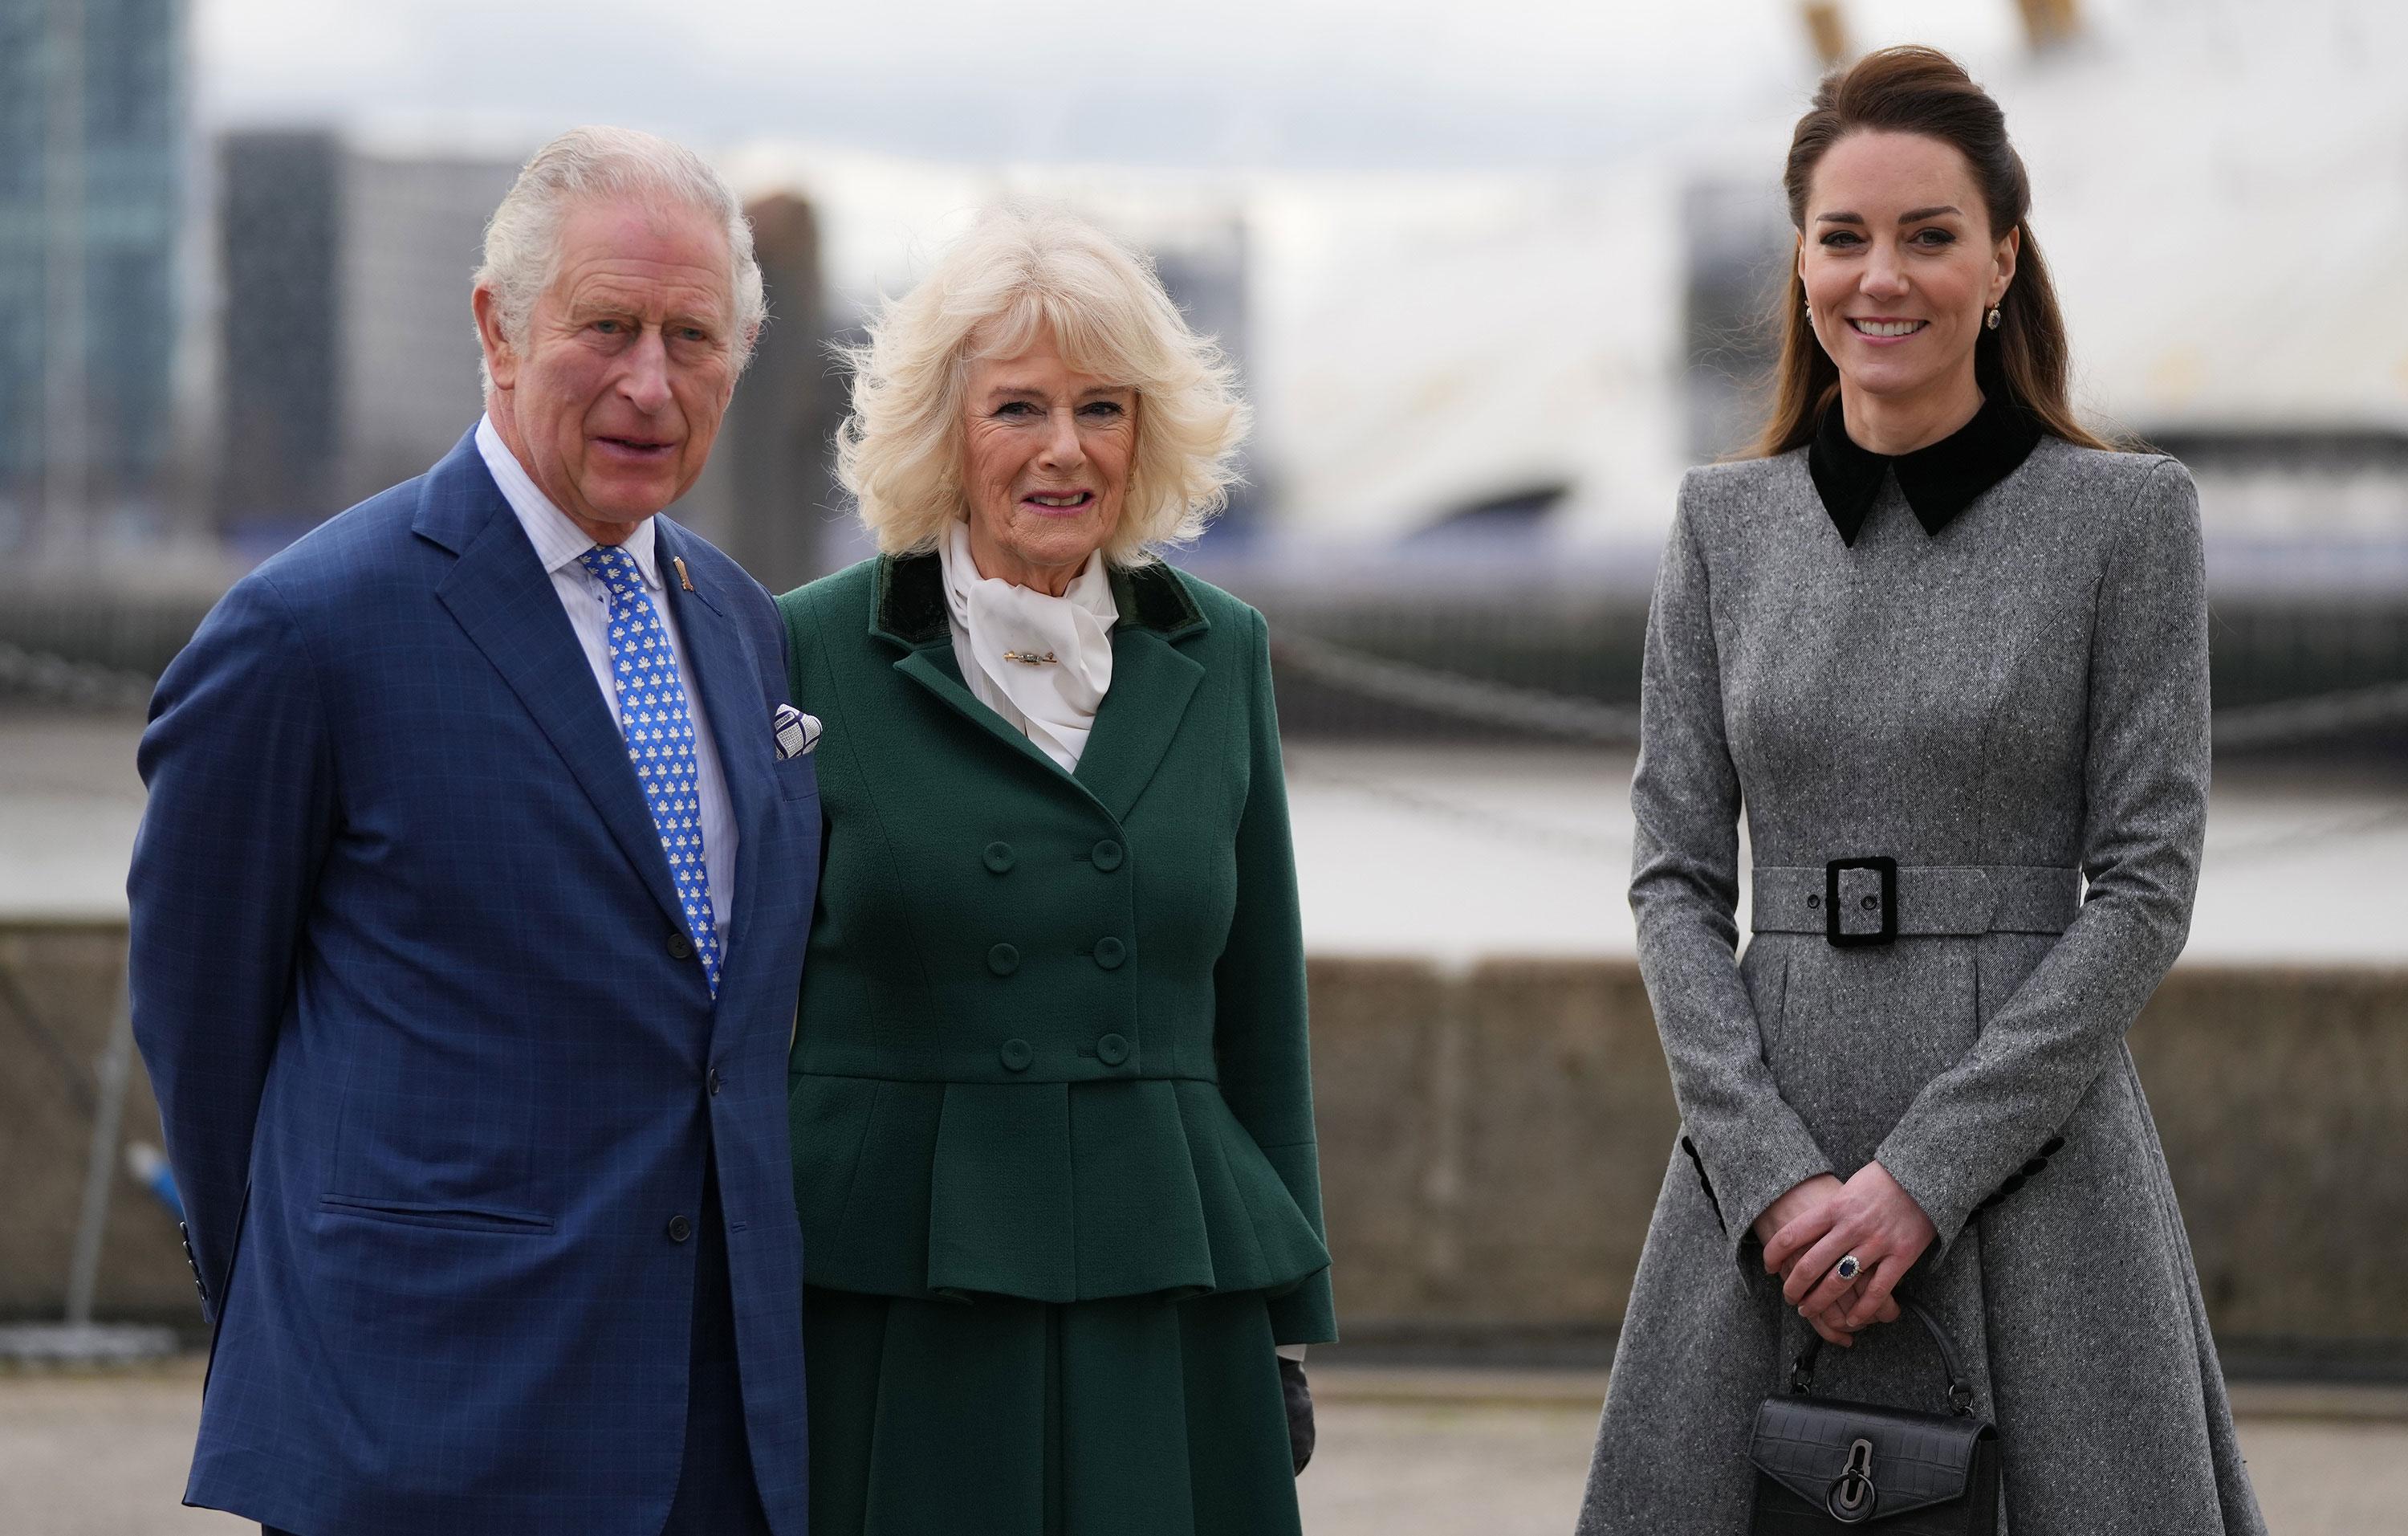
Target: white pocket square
796,733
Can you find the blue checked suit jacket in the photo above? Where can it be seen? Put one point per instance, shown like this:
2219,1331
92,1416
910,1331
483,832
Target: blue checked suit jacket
436,1063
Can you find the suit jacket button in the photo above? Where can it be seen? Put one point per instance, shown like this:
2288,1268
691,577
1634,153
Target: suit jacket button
999,857
1109,952
1016,1055
680,1229
1112,1050
713,1081
1003,959
680,947
1106,854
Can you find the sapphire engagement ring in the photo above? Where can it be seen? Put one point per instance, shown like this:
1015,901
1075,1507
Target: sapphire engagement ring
1848,1268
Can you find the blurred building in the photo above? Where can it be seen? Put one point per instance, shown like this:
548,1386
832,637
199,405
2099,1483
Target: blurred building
769,496
91,165
1739,244
279,404
348,354
879,222
2222,194
1202,265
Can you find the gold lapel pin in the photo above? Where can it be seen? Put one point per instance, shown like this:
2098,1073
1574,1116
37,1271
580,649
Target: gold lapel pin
683,579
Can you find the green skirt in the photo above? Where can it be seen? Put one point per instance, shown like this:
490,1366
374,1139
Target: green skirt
1138,1416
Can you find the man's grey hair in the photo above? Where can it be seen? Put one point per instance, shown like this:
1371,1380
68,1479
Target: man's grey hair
523,238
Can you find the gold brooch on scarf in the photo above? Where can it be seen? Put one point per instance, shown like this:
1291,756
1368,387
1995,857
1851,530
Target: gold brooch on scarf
1030,658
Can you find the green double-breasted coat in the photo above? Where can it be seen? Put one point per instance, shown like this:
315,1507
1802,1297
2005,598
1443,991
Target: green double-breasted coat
1050,1090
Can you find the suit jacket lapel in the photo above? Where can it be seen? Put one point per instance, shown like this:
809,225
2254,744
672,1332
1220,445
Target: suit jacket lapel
1153,682
505,600
729,684
1152,686
909,611
934,669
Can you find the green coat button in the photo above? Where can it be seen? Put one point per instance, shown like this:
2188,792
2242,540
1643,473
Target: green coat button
1109,952
1003,959
999,857
1107,855
1016,1055
1112,1050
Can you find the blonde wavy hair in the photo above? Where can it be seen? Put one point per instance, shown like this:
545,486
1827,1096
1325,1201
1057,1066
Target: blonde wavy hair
1020,273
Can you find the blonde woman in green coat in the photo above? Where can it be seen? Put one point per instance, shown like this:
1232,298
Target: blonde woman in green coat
1050,1094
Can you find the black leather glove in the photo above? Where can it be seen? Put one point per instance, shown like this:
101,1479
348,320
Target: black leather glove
1299,1411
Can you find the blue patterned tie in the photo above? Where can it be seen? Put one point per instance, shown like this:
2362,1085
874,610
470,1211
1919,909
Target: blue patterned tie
660,738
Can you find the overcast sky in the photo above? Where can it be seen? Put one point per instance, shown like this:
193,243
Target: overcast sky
1229,83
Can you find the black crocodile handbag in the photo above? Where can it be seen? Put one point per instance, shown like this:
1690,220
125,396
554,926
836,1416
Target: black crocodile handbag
1824,1466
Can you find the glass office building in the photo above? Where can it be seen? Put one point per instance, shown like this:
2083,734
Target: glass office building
347,356
91,147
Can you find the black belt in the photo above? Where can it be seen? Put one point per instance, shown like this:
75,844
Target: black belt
1852,901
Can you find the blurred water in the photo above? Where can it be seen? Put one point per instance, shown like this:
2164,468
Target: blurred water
1464,853
70,802
1452,854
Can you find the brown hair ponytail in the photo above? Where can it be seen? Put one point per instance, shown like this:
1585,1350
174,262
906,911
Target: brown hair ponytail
1923,91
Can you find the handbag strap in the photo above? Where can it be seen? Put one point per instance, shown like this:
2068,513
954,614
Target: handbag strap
1960,1396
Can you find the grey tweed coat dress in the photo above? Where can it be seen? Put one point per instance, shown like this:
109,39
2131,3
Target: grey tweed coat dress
1995,705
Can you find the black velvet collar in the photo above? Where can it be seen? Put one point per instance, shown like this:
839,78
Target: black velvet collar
1939,481
910,605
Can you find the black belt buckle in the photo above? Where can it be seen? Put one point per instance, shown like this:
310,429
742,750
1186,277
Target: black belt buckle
1887,870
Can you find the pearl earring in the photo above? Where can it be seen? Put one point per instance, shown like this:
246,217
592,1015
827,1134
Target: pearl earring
1993,320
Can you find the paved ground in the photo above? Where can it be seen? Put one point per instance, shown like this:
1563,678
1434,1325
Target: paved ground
1403,1453
1415,1453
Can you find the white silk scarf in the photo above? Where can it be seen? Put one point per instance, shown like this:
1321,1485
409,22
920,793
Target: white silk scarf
1051,697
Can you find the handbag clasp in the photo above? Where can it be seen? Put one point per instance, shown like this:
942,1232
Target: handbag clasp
1853,1494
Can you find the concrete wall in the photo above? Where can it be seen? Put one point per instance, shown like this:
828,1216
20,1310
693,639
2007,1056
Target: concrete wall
2282,1096
1492,1142
59,987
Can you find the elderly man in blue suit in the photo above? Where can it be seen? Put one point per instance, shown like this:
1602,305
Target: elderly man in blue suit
469,913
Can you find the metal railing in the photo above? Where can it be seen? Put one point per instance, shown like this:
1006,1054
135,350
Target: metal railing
1477,701
2244,727
81,684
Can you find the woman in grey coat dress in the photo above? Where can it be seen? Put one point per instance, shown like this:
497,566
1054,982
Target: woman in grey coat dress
1949,655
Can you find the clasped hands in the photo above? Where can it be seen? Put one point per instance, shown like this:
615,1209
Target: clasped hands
1808,1230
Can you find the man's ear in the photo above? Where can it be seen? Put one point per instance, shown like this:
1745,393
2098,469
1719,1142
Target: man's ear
501,358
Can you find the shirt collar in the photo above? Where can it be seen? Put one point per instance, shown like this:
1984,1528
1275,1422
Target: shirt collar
557,541
1939,481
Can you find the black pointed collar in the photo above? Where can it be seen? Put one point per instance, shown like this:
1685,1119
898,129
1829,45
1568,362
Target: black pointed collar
1939,481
